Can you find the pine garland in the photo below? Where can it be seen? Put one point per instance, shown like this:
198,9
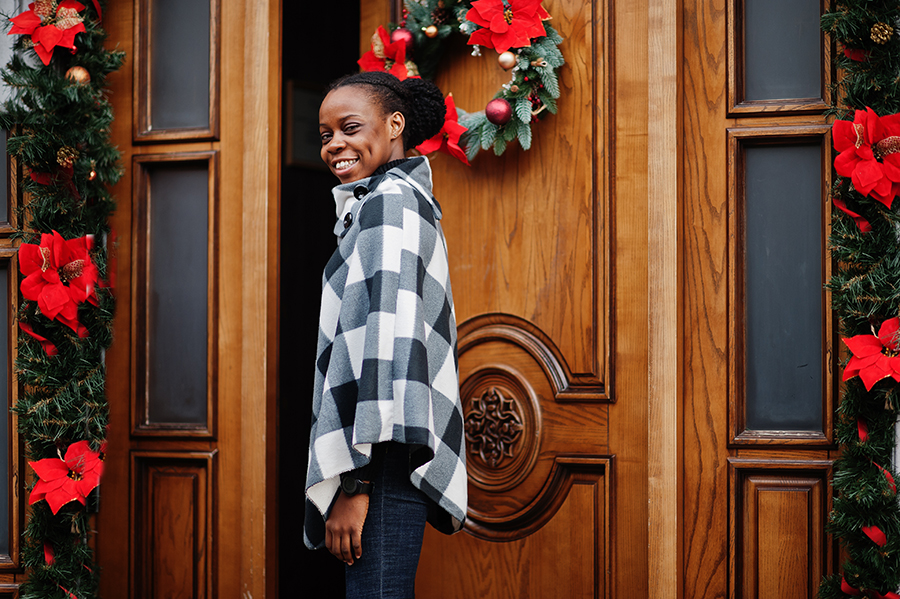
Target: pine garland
865,291
59,118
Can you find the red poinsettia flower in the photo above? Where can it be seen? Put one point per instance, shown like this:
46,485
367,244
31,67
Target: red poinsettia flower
447,140
59,275
72,479
50,24
875,357
505,25
868,154
387,56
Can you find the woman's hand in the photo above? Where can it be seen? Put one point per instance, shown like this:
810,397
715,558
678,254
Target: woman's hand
343,530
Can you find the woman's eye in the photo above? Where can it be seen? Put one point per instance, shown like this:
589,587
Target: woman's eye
326,137
351,128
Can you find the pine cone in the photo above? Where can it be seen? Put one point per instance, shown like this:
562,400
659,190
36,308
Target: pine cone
881,33
66,156
440,15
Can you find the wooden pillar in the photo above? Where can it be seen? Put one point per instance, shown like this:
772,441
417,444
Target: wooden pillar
664,414
261,126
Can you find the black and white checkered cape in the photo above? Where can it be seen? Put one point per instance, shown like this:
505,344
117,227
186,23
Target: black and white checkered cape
386,365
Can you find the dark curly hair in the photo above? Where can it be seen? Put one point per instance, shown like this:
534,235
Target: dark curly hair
419,101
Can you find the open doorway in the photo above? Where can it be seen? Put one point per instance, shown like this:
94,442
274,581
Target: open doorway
327,49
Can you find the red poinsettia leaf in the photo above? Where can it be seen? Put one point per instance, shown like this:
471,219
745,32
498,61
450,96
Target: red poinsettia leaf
849,590
866,176
876,534
864,345
431,145
856,54
24,23
483,12
50,469
86,483
864,225
32,285
43,53
846,161
48,345
498,23
891,167
54,299
67,493
72,323
887,333
76,454
457,152
384,35
42,178
67,40
885,198
59,250
370,62
872,125
399,71
47,36
871,375
481,37
71,4
536,30
843,135
30,258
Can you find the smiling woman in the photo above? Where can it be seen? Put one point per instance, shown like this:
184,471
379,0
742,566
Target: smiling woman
386,444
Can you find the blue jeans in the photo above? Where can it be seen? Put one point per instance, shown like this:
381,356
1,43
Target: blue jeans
392,533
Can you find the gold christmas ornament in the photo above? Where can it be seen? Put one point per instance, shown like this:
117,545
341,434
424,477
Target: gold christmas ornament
506,60
79,75
431,31
66,156
881,33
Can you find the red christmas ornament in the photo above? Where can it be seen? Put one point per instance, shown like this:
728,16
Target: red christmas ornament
402,34
498,111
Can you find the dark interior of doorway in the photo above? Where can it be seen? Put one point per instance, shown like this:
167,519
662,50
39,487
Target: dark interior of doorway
326,49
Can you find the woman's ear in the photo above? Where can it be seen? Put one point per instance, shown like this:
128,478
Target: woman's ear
397,123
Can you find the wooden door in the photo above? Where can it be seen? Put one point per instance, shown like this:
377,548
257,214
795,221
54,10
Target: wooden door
548,258
188,493
759,347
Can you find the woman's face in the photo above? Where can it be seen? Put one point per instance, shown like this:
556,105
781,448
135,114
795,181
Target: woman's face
356,137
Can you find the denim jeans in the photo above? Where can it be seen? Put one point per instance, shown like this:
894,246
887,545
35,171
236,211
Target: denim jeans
392,533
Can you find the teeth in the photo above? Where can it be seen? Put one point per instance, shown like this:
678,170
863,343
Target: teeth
345,164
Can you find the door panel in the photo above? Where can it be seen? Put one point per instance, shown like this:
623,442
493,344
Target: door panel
758,439
189,480
553,325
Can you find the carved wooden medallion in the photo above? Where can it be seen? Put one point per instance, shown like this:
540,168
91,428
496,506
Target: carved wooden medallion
493,427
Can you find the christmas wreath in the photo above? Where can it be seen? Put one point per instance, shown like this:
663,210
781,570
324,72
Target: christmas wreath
526,44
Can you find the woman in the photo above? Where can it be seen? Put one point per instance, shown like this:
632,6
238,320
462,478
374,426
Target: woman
387,444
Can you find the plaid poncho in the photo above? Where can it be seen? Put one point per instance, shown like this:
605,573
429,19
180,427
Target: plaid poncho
386,367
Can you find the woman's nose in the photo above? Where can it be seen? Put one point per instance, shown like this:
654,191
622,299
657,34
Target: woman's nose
336,144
